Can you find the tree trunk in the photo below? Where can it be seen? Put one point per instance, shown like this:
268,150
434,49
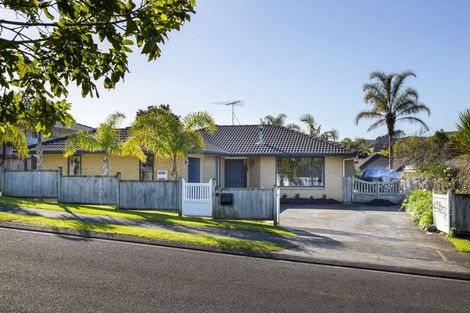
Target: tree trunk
174,172
106,164
39,152
390,149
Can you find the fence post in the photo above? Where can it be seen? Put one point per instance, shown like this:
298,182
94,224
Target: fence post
180,196
2,179
276,205
59,175
118,191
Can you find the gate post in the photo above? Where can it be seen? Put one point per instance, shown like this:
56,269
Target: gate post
180,196
276,205
377,190
214,198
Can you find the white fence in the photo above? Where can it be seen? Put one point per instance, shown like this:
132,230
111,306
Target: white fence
197,198
451,211
357,190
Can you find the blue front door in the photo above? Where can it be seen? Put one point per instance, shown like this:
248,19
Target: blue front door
194,170
235,173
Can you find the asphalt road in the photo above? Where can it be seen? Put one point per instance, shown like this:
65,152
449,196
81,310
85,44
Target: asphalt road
51,273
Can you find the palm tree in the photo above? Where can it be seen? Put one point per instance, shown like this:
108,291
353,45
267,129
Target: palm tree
461,140
314,129
10,134
391,102
105,139
278,120
166,135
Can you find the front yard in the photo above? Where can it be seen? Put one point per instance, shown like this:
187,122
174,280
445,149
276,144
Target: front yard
113,222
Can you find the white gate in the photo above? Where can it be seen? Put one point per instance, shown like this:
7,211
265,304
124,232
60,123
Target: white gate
441,211
197,198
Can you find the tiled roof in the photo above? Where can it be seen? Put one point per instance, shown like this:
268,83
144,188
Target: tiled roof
57,145
242,140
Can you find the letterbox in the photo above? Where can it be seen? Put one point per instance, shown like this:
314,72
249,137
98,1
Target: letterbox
226,198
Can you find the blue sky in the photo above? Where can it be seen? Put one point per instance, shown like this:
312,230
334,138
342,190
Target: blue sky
298,57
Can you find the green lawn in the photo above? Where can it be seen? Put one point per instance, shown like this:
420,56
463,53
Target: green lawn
463,243
166,235
169,217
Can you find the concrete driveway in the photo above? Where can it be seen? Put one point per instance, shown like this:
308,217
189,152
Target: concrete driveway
379,235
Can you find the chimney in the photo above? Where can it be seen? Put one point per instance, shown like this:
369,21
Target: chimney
260,135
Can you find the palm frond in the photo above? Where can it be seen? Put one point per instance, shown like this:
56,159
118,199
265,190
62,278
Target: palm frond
377,124
413,119
368,115
13,135
399,81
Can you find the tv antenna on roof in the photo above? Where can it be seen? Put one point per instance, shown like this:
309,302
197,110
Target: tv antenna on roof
233,104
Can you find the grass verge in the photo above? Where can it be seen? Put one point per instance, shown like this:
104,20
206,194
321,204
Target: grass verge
166,235
462,244
169,217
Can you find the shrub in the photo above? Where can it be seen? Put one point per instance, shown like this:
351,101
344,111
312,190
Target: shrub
419,205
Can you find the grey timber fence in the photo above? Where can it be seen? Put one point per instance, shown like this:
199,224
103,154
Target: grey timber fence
30,184
158,195
89,189
248,203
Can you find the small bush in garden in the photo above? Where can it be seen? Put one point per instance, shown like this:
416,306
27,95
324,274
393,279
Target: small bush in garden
419,205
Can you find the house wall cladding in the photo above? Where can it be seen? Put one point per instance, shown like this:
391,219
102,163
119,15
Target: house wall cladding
89,189
30,184
161,195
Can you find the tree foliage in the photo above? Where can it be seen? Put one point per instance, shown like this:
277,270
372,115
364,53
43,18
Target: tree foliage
14,136
314,129
46,45
358,144
165,134
391,102
106,139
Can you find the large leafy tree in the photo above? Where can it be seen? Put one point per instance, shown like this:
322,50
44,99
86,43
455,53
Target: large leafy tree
391,102
47,44
165,134
105,139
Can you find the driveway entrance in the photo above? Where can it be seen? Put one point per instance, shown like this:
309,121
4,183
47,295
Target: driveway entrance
362,233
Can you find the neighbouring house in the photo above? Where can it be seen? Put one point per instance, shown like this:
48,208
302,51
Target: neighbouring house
8,153
376,159
245,156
